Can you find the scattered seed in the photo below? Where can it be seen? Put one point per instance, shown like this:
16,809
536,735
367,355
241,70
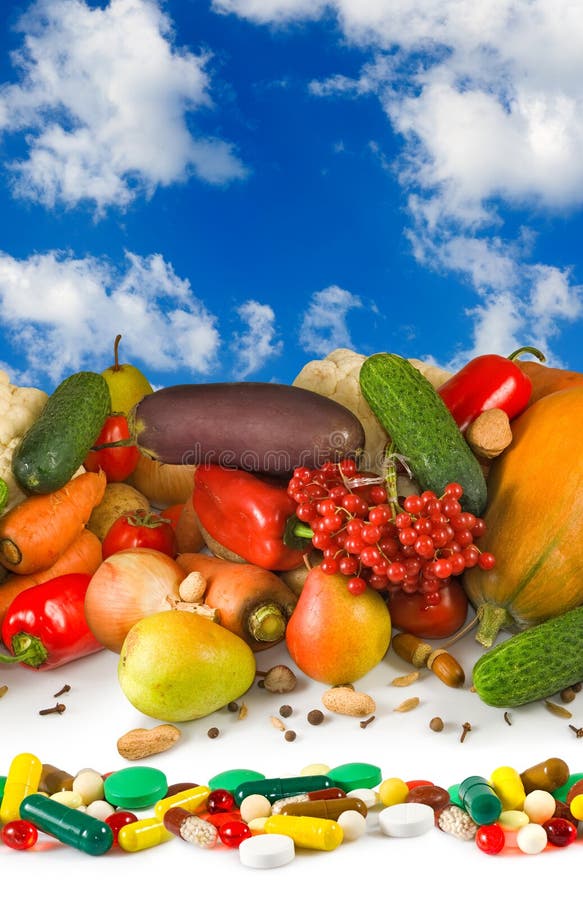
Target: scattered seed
405,680
507,718
243,711
436,723
279,680
57,708
366,722
261,683
315,717
290,736
213,732
233,706
407,705
3,689
568,695
466,728
558,710
64,690
277,723
577,687
285,710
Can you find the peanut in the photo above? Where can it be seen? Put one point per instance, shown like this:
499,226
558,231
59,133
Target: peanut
348,702
141,742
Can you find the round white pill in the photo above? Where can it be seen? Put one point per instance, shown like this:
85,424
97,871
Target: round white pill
539,806
367,795
89,783
255,806
266,851
531,838
100,809
353,824
406,819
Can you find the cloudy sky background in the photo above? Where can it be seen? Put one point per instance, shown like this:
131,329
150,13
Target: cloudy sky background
238,186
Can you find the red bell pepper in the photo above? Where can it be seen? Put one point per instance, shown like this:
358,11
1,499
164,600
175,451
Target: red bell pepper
114,450
248,515
45,625
488,382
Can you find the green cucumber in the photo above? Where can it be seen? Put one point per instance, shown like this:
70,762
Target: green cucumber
56,444
422,428
534,664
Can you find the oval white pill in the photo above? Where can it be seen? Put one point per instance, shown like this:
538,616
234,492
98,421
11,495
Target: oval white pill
266,851
367,795
406,819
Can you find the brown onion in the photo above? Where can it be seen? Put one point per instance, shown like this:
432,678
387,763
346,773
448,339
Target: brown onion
162,483
128,586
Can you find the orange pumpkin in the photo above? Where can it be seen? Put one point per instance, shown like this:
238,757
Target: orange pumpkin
547,380
534,521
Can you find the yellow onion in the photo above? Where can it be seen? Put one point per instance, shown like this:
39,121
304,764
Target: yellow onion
128,586
163,483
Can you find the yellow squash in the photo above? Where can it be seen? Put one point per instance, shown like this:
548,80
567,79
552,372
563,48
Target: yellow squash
534,521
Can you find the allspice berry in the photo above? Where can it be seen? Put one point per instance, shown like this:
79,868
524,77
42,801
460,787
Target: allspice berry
285,710
213,732
315,717
290,736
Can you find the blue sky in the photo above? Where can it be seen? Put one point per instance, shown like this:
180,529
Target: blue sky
240,186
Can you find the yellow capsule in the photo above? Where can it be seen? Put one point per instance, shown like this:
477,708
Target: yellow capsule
508,785
307,831
23,779
192,800
143,834
576,807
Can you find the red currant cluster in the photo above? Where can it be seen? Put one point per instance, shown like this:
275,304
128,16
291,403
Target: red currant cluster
416,544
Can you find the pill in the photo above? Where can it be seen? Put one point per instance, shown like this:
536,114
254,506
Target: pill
190,828
431,794
68,798
100,809
306,831
508,785
369,797
532,838
406,819
89,784
560,832
510,821
539,806
53,779
232,778
135,787
351,776
257,826
480,800
576,807
70,826
490,839
353,824
192,799
393,790
325,809
276,788
179,787
315,769
574,790
143,834
562,791
548,775
255,806
267,851
23,779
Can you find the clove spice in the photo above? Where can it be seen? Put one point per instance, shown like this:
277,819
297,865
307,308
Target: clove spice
366,722
466,727
57,708
65,689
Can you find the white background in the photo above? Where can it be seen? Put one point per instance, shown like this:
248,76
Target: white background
402,745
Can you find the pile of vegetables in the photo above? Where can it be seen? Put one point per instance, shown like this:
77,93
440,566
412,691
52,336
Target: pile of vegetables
373,483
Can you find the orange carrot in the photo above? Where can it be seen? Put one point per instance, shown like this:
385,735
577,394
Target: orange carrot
36,532
83,556
252,602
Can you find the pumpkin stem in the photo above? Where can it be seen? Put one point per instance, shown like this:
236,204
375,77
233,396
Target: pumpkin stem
492,618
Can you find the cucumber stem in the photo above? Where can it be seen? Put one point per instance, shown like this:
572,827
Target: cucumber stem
492,618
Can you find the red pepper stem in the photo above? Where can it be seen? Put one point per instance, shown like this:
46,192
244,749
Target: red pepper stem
27,649
303,531
533,350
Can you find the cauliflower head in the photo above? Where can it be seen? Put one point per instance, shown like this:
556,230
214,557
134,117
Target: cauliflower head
20,407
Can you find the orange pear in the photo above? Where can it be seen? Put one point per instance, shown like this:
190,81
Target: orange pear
334,636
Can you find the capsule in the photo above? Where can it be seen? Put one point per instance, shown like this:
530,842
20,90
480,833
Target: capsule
191,800
276,788
325,809
306,831
509,787
23,779
190,828
545,776
480,800
70,826
143,834
332,793
54,779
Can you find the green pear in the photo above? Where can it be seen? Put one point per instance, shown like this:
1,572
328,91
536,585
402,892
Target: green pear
127,385
177,665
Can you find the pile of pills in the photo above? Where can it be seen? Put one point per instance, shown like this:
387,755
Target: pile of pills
266,819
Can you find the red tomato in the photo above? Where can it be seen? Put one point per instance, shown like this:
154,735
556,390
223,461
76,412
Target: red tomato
140,528
410,612
116,462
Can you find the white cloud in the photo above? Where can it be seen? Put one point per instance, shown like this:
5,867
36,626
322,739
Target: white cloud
488,98
64,312
323,326
102,102
258,344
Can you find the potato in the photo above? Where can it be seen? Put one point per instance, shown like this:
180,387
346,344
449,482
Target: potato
119,498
